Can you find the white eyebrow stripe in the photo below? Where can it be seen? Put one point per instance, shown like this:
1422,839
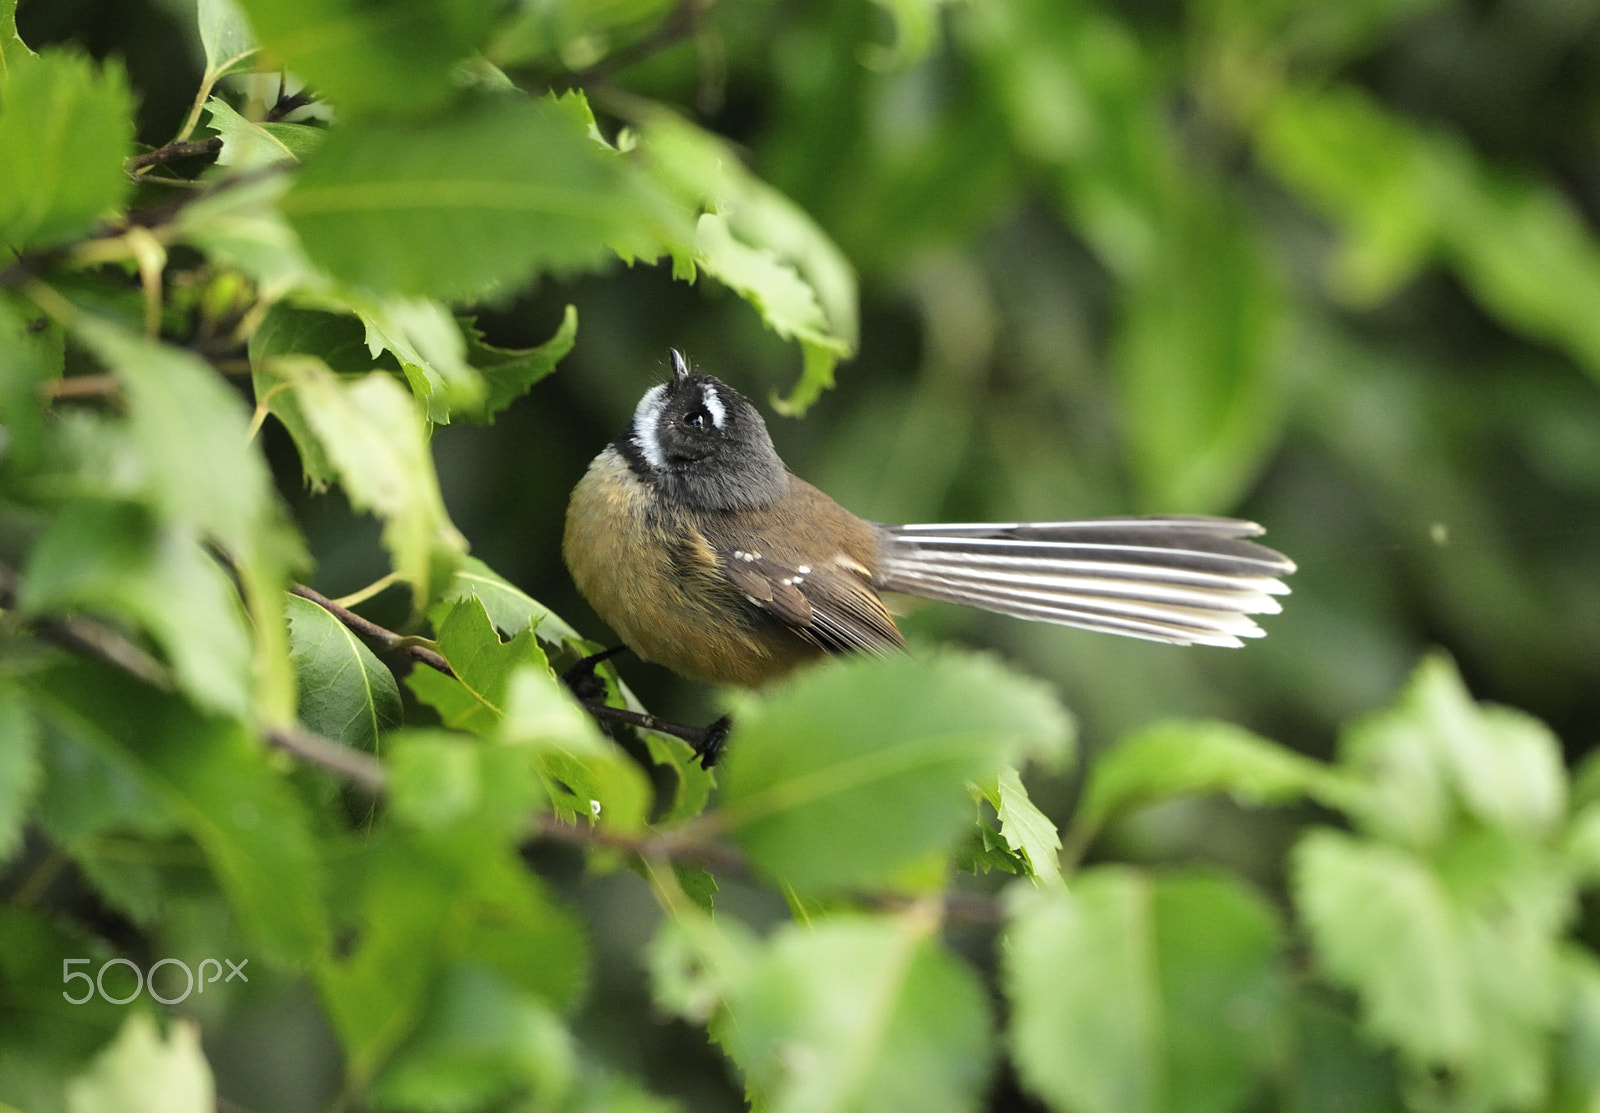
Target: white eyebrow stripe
713,405
646,420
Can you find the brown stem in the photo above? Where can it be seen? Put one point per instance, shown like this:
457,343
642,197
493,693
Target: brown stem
386,639
172,152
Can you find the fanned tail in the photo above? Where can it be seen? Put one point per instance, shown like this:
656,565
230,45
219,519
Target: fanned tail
1186,580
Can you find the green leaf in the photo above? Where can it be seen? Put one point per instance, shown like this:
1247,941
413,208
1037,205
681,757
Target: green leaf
480,1042
509,373
1334,1067
424,338
374,436
247,144
474,699
110,558
392,56
26,360
1455,964
1026,829
587,776
429,901
218,781
19,767
144,1072
242,227
468,203
201,471
1183,758
511,609
1131,994
1197,360
1437,758
65,127
857,769
759,243
338,339
1577,1074
859,1015
224,34
1404,195
435,777
346,693
13,51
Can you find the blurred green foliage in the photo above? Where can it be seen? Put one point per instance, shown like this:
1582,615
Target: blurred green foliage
1333,267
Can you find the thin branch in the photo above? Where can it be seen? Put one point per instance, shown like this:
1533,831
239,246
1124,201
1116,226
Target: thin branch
388,640
674,845
173,152
680,24
80,386
359,769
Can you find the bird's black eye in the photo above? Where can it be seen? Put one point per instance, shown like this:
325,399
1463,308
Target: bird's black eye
697,418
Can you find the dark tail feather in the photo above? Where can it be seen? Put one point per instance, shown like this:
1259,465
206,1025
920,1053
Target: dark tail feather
1184,580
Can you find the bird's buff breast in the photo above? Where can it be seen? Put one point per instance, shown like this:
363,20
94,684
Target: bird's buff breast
658,589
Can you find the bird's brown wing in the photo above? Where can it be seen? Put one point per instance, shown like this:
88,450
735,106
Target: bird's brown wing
833,606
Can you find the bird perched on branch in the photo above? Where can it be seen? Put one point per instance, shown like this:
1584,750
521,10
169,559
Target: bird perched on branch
695,543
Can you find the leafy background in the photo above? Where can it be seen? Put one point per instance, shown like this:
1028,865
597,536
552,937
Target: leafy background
1330,267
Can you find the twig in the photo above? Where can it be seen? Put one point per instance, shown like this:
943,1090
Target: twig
80,386
172,152
360,770
678,25
386,639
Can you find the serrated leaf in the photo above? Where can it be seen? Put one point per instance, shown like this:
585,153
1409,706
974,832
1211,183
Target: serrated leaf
509,373
110,558
1131,994
217,780
20,772
511,609
474,699
144,1072
852,771
858,1015
346,693
247,145
1437,757
65,127
396,56
338,340
423,337
374,435
1456,966
1025,828
1184,758
470,202
762,245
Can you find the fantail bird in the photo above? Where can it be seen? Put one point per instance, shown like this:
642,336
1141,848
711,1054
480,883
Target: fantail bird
690,537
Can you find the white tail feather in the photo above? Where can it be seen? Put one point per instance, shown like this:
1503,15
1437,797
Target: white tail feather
1186,581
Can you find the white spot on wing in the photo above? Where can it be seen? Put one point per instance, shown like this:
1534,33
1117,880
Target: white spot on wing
646,421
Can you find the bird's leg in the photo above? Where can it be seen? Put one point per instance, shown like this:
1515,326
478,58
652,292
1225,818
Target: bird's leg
584,681
707,742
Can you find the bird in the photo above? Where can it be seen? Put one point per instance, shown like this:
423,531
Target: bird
691,539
